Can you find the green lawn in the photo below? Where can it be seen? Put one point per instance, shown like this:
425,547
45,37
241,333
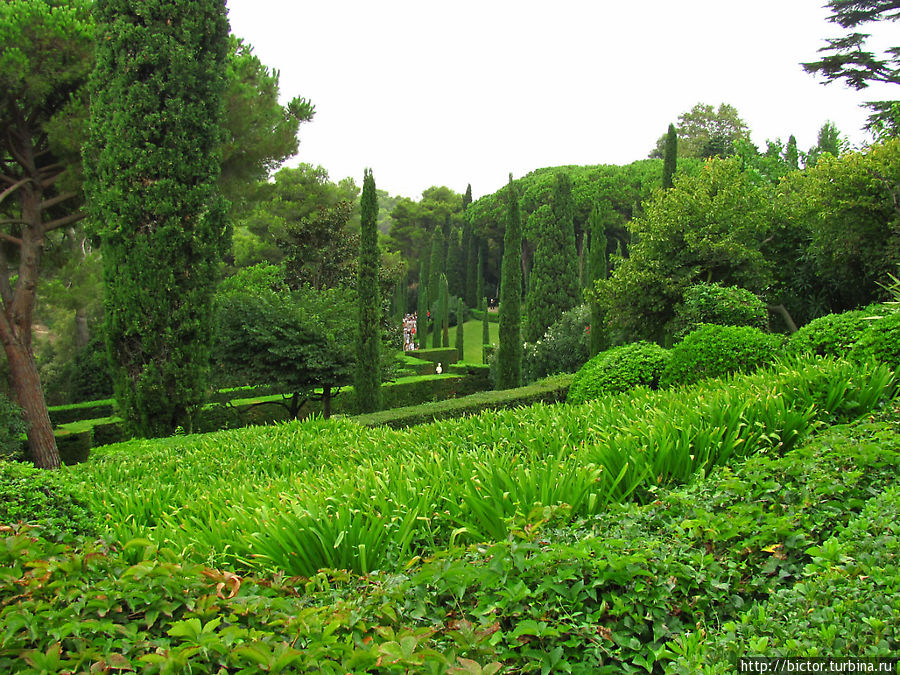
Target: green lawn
472,339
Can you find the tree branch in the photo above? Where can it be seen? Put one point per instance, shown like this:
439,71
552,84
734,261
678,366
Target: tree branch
58,200
62,222
12,188
8,237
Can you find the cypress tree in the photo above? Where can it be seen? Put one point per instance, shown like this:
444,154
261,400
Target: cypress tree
471,297
467,197
670,159
485,331
509,351
445,312
479,274
460,309
553,285
152,164
586,276
456,264
367,383
436,265
791,155
422,309
436,320
600,218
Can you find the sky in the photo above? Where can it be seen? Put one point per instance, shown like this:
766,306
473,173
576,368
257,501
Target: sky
428,92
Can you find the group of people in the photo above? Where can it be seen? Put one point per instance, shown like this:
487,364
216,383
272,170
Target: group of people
409,332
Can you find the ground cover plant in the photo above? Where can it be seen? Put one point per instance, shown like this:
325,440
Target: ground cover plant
634,588
260,499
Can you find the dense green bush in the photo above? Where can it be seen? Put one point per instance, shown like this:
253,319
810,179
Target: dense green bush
12,428
830,335
720,305
880,341
619,369
564,348
41,497
713,351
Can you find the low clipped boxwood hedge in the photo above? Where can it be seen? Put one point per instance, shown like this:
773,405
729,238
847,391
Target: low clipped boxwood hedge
880,341
714,351
619,369
77,412
549,390
830,335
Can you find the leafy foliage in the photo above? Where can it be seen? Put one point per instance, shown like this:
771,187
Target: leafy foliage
562,349
12,427
720,305
509,351
713,351
620,369
37,497
367,380
880,341
832,334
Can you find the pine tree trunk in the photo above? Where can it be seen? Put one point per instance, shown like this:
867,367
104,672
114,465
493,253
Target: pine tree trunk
82,334
27,389
326,402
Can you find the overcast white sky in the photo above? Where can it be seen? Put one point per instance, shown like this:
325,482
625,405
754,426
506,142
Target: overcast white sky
427,92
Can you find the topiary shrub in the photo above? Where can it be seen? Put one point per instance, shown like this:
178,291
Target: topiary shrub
12,428
880,341
563,349
720,305
40,497
713,351
831,335
619,369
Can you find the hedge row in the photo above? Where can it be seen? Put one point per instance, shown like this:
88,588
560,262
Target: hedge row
550,390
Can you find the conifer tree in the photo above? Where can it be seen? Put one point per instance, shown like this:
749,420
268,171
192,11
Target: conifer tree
471,296
460,309
479,274
436,265
422,309
445,312
152,166
367,383
600,219
791,155
485,330
670,159
467,197
586,276
436,320
553,286
456,264
509,351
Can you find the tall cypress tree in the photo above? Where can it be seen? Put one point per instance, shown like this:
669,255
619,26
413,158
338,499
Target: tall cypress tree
600,219
460,339
436,265
479,273
445,312
485,330
553,285
471,295
509,351
368,345
586,276
670,158
422,309
456,264
152,165
791,155
467,197
436,320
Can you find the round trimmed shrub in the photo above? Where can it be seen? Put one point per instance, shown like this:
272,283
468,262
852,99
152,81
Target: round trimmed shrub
880,341
721,305
40,497
832,334
713,351
564,348
619,369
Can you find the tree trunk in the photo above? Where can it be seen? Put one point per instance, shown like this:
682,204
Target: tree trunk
27,389
326,402
82,334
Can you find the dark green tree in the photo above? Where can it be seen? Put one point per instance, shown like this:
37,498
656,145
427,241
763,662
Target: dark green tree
602,217
553,284
585,258
456,264
422,309
467,197
153,163
460,308
367,382
445,312
436,266
670,157
479,273
485,330
791,154
848,58
319,249
509,351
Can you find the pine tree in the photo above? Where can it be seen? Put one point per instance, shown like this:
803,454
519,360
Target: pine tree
670,160
152,165
460,309
509,351
367,383
553,286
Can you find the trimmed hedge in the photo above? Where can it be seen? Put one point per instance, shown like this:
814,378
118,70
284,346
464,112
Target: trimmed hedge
78,412
492,317
880,341
74,447
618,370
720,305
550,390
714,351
442,355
